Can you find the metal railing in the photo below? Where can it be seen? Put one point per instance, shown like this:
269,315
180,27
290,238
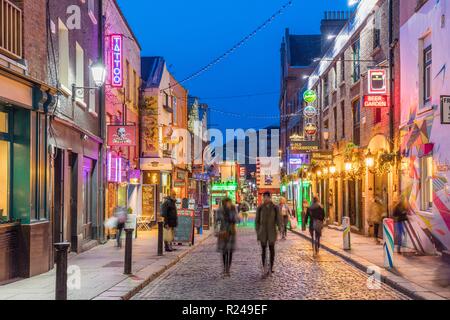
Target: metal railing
11,32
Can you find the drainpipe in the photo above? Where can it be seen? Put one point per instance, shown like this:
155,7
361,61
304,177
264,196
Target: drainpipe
392,46
102,126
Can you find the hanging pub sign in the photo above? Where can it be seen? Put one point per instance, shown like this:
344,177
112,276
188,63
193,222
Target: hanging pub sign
310,96
121,136
376,101
445,109
116,60
311,129
377,82
310,112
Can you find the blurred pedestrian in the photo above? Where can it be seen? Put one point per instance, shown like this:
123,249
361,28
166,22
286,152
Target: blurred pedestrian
225,224
376,214
286,214
121,215
316,215
170,214
401,210
305,206
244,208
267,221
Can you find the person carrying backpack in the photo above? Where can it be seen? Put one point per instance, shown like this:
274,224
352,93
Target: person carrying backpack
316,215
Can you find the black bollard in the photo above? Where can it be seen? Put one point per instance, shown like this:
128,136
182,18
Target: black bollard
61,270
128,251
160,238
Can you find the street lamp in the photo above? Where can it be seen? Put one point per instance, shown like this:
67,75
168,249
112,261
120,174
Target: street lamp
332,168
370,160
98,72
348,166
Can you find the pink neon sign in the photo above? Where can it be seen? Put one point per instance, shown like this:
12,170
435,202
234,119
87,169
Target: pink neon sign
117,60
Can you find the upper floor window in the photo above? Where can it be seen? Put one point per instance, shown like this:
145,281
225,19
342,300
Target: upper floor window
174,104
426,183
79,72
377,30
427,63
63,53
356,48
342,68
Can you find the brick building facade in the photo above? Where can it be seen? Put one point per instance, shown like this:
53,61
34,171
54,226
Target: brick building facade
353,133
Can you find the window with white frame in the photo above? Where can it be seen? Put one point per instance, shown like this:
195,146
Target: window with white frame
426,183
92,93
427,76
79,74
63,52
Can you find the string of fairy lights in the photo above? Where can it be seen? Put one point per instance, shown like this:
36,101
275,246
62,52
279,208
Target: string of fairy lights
239,44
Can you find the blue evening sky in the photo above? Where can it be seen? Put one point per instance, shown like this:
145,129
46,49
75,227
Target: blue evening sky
191,33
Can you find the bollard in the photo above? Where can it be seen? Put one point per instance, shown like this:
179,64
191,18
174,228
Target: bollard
347,245
160,238
388,246
128,251
61,270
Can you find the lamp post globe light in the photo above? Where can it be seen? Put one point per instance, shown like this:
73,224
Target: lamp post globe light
98,71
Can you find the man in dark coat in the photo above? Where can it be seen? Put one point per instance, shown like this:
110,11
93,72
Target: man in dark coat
268,220
170,214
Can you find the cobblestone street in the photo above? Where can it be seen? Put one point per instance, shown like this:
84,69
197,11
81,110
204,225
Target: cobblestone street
297,275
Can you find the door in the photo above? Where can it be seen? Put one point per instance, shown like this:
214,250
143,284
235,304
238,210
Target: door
355,202
336,201
58,197
73,183
86,189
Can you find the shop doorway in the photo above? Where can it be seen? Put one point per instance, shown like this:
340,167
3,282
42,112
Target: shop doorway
355,202
73,185
58,197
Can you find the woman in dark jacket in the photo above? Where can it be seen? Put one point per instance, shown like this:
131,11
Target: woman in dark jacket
226,221
170,214
316,215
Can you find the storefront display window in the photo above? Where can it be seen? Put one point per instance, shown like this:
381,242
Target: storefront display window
4,167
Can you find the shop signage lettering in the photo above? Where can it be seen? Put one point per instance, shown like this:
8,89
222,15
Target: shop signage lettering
296,138
445,109
376,101
117,61
310,96
121,136
377,82
305,146
322,157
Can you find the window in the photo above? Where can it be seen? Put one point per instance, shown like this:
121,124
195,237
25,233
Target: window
427,63
174,105
326,91
356,47
335,74
342,68
343,118
88,166
335,123
79,75
377,30
128,77
426,183
166,100
5,148
356,107
92,93
63,50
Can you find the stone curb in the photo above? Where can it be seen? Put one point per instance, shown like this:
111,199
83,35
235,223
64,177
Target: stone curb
389,278
117,293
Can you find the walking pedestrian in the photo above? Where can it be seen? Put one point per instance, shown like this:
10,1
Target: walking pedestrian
225,224
170,214
244,208
286,214
401,210
267,221
316,215
121,214
305,206
375,217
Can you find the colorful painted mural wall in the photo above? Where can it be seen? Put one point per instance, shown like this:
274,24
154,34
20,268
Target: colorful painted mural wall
423,135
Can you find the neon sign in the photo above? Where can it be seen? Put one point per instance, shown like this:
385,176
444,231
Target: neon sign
117,61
